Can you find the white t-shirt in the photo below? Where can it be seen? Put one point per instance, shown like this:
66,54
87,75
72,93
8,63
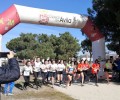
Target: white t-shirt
27,70
37,66
53,67
44,67
60,67
48,66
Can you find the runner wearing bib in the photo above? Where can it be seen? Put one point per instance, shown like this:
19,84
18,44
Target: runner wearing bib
80,69
52,70
27,69
37,70
107,69
70,72
60,68
44,68
48,75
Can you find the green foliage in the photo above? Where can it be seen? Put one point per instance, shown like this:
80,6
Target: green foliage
67,46
86,45
106,15
30,45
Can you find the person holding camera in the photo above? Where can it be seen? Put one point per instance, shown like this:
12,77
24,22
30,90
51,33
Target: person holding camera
8,88
10,72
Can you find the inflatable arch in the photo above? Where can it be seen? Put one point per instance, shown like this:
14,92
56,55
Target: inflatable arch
20,14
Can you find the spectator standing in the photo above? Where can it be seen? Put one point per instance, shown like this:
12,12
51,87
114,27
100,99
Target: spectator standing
8,89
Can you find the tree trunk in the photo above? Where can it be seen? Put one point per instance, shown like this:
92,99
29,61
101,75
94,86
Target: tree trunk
90,56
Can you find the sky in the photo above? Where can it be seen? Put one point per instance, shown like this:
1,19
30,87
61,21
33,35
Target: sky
72,6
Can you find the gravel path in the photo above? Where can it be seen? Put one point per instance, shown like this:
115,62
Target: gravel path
91,92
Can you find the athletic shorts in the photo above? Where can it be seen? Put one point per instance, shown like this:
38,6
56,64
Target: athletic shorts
60,72
70,74
106,70
52,74
78,72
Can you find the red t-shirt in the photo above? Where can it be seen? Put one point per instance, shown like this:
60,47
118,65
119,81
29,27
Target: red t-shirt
80,67
86,66
95,68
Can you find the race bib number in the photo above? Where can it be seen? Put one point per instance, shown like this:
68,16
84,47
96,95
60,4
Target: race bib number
26,73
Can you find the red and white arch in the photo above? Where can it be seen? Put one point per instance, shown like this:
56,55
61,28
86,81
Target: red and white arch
20,14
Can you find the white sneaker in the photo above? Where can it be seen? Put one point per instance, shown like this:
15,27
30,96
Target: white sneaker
10,94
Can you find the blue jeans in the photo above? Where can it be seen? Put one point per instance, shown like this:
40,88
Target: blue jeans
9,86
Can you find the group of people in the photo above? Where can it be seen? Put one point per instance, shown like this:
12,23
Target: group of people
62,72
46,70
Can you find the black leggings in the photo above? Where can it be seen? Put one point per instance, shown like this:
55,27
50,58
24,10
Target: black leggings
44,76
95,75
36,76
27,80
87,74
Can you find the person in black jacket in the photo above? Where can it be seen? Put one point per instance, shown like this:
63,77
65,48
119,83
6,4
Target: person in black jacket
11,71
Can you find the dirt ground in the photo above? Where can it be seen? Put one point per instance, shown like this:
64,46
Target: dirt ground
91,92
43,93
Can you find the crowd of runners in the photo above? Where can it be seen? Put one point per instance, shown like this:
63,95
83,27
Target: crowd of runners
61,72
